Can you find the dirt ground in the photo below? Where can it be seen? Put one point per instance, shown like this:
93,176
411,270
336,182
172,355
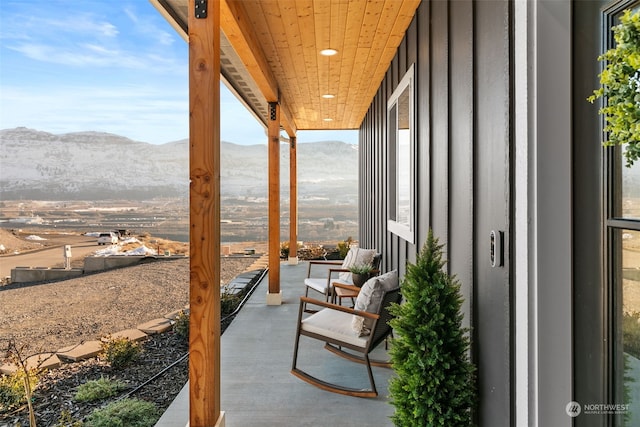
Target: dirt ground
45,317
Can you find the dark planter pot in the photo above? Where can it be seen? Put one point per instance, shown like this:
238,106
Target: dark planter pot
359,279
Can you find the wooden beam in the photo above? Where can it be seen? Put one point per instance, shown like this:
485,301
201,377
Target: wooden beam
293,200
237,27
273,296
204,217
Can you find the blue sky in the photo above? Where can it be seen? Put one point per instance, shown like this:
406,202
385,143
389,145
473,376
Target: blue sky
108,66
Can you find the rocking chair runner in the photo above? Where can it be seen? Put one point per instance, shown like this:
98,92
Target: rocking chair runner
333,325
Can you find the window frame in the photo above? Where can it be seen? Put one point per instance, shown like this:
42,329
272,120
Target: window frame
398,161
614,227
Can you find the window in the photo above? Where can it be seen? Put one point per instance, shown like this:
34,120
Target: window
623,264
400,115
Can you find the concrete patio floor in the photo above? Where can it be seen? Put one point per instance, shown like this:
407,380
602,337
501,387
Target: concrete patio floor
257,388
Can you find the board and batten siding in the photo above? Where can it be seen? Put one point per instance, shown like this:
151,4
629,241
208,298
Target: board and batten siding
460,51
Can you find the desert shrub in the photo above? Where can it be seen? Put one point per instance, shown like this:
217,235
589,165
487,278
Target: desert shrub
284,250
181,326
120,352
12,391
631,333
124,413
66,420
228,301
98,389
343,247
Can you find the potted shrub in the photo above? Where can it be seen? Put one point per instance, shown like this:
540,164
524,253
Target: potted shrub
435,383
360,274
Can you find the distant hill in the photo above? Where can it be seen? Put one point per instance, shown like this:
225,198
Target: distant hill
93,165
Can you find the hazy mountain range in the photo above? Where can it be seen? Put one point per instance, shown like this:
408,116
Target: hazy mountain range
93,165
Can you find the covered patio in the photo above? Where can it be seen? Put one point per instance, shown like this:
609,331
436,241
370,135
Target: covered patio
256,386
296,65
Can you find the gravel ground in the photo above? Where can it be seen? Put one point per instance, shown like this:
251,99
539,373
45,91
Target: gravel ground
48,316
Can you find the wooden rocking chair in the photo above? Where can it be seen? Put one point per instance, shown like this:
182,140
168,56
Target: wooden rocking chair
333,325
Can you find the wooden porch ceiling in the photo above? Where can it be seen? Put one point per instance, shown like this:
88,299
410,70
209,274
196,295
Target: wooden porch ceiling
270,51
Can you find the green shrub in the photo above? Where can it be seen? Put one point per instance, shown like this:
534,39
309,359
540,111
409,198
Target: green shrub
12,393
124,413
98,389
228,302
343,247
66,420
284,250
434,385
120,352
631,333
181,326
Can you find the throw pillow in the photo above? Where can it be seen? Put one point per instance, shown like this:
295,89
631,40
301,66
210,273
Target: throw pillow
370,298
356,256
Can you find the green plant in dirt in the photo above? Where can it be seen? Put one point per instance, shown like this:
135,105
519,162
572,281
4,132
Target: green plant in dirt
284,250
620,87
631,333
99,389
124,413
66,420
28,377
435,384
343,247
228,301
181,325
12,393
120,352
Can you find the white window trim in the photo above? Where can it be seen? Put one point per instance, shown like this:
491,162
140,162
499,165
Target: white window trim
406,232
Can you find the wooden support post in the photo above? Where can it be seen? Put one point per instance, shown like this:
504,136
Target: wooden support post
274,296
293,201
204,215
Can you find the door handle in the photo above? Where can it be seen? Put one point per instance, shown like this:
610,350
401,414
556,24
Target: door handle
496,250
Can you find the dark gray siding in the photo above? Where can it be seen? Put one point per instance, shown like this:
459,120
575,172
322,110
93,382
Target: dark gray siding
461,54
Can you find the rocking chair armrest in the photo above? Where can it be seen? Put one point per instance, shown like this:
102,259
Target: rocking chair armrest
337,270
307,300
353,288
325,262
321,263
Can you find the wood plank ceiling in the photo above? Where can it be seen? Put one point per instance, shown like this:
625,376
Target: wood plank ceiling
271,52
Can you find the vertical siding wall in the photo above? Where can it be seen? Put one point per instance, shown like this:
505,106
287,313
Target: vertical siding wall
440,44
462,55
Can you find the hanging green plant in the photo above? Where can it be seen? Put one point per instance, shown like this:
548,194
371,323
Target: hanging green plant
620,87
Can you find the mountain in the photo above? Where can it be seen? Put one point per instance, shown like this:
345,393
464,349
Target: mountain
93,165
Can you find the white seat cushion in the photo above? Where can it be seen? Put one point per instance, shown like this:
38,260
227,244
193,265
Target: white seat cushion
333,324
320,285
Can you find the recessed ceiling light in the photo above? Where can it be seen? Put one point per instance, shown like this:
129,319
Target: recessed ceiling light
328,52
328,119
328,96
